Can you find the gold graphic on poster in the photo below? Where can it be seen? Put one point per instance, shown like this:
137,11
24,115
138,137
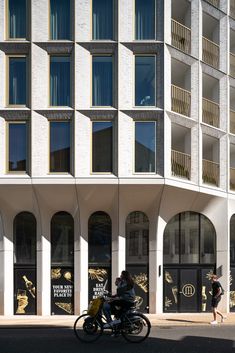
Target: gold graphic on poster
97,273
55,273
22,299
204,298
66,307
175,293
29,285
230,279
188,290
232,299
168,302
168,277
142,281
138,301
68,276
209,275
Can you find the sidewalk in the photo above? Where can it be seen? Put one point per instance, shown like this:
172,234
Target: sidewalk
198,319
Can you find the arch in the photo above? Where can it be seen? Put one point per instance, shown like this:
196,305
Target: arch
24,240
99,252
232,263
137,253
62,263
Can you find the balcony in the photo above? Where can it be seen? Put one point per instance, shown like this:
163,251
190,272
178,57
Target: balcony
232,65
180,100
210,172
232,8
214,3
210,52
210,112
180,164
232,178
232,122
180,36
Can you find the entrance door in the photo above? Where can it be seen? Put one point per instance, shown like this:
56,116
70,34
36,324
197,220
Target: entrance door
188,290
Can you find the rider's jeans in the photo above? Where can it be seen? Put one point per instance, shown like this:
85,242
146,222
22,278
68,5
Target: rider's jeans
107,311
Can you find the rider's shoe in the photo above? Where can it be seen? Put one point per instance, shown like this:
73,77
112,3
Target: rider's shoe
112,323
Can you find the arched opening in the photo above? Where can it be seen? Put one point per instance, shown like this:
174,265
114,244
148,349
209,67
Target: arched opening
24,239
99,253
137,253
189,258
232,264
62,264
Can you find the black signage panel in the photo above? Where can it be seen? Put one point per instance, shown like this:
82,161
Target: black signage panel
232,289
141,279
98,278
62,291
25,291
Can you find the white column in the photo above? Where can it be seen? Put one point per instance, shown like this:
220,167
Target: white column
8,271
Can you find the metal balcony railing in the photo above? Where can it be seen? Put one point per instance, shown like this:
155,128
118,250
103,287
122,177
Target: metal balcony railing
232,178
232,121
232,8
180,164
210,172
180,100
210,112
232,65
180,36
210,52
214,3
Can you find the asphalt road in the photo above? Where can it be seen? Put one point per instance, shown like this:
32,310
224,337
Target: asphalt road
203,339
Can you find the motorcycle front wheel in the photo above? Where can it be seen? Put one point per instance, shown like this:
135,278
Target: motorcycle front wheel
87,329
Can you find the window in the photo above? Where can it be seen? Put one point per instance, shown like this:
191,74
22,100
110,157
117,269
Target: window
59,80
60,147
144,19
17,149
144,80
145,147
102,81
17,19
60,19
102,138
102,17
17,81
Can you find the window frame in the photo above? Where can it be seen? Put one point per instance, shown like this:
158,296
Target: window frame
7,86
134,24
49,145
72,10
113,80
7,22
134,151
155,82
91,146
8,147
114,24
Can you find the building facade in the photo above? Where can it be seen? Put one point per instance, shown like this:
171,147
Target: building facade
117,150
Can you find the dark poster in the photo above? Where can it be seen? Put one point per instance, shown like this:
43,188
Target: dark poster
25,291
206,290
62,291
171,295
140,277
232,289
98,276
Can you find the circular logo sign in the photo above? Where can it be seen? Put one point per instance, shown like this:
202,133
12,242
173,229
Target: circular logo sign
188,290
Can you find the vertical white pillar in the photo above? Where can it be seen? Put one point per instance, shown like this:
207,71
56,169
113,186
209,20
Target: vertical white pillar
8,269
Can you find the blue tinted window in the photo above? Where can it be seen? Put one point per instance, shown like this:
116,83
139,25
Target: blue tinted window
60,19
145,147
145,19
60,81
17,147
102,19
144,80
60,147
102,141
17,81
102,81
17,18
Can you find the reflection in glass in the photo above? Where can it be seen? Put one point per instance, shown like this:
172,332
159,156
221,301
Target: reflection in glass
17,19
17,80
17,147
171,241
145,147
102,81
60,146
99,239
60,81
102,138
102,19
207,241
189,233
145,19
144,80
62,239
232,240
24,232
60,19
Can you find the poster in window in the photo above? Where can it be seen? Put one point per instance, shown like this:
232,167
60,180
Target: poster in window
141,279
232,289
98,278
25,291
62,291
